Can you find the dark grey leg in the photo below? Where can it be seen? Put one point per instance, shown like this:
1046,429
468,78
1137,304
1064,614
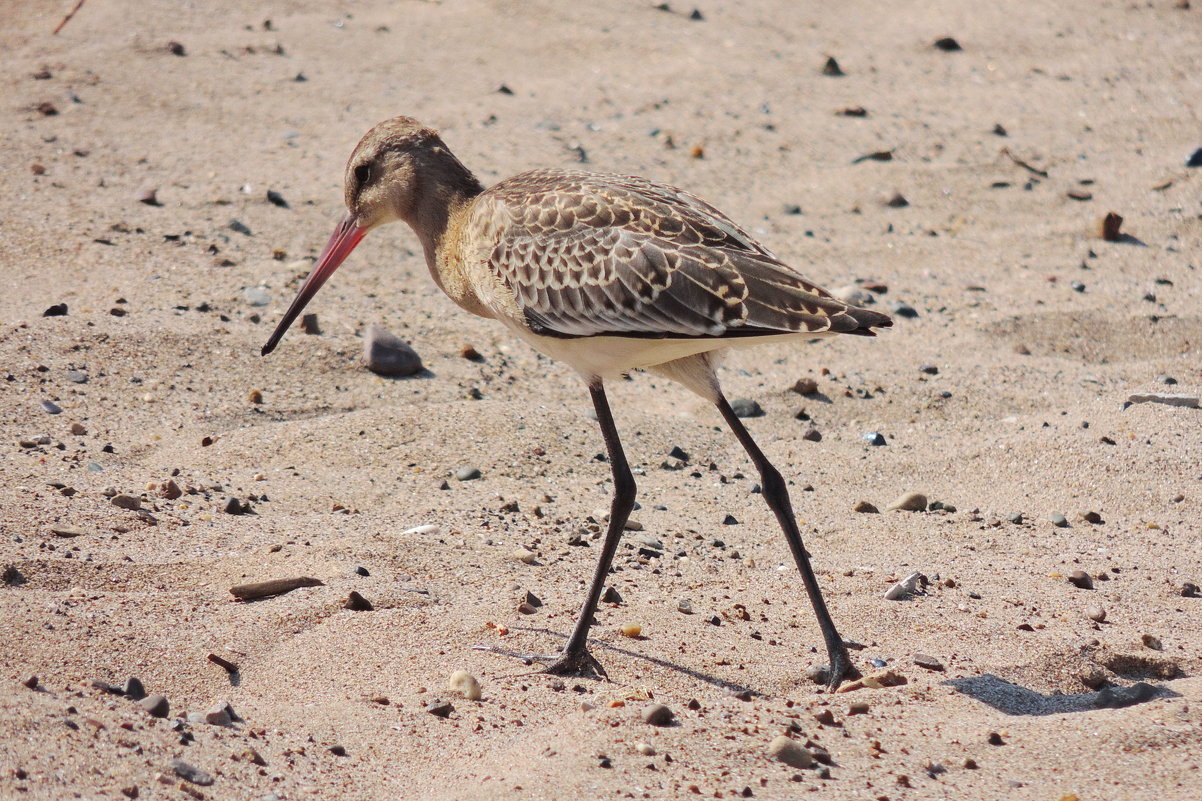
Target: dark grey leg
777,496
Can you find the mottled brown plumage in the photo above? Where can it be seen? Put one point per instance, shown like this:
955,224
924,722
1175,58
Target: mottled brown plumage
608,273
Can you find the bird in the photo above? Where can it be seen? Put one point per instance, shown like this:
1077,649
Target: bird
608,274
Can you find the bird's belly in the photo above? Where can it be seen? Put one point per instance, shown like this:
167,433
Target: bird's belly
606,357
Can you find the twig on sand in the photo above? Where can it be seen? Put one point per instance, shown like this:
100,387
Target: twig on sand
264,589
70,14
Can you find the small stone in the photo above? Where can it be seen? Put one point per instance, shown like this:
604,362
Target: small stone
1096,614
176,49
57,310
338,750
157,705
1167,398
927,661
610,595
805,386
255,396
873,438
853,294
1151,641
818,673
1165,379
864,507
30,681
1078,286
832,68
812,435
995,739
276,199
906,587
309,324
746,407
730,520
130,791
464,684
658,715
1118,697
790,752
632,630
1081,579
233,506
897,201
532,599
1058,520
467,474
645,749
684,606
947,44
526,609
256,296
440,709
1111,227
1015,518
191,773
133,688
357,603
239,227
1190,590
524,556
219,715
902,309
126,502
858,708
171,490
386,354
50,407
76,376
910,502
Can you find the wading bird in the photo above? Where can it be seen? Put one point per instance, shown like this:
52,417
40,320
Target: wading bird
607,273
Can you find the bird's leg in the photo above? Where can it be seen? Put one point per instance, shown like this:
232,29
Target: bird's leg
575,659
777,496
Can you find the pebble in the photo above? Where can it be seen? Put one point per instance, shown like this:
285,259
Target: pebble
1079,578
50,407
133,688
533,600
805,386
157,705
790,752
309,324
897,201
265,589
465,684
853,295
858,708
646,749
910,502
1190,590
1195,158
746,407
927,661
1096,613
191,773
1151,641
1167,398
658,715
440,709
256,296
1165,379
902,309
57,310
1118,697
219,715
864,507
730,520
873,438
467,474
632,630
817,673
1078,286
831,67
1058,520
76,376
233,506
30,681
906,587
78,429
812,435
929,369
1015,518
239,227
357,603
524,556
387,354
276,199
127,502
947,44
684,606
610,595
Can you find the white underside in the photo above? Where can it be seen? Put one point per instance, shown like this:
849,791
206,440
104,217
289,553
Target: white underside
605,357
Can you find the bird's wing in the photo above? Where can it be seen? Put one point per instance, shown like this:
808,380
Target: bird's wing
627,257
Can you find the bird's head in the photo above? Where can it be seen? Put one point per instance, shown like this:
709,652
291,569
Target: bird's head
400,170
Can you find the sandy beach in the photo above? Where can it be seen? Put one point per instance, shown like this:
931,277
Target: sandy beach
151,459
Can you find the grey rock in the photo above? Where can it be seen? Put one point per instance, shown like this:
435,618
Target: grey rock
76,376
908,586
1058,520
873,438
1167,398
1118,697
157,705
791,752
746,407
909,502
467,473
239,227
440,709
191,773
658,715
220,714
386,354
50,407
927,661
1081,579
133,688
127,502
903,309
256,296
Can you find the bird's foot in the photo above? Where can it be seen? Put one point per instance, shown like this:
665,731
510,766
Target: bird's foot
840,668
580,663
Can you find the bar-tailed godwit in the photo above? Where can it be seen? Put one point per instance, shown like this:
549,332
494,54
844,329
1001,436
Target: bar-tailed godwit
607,273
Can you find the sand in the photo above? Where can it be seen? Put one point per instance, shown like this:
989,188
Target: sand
1033,329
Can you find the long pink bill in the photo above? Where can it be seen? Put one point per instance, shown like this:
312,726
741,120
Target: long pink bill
344,239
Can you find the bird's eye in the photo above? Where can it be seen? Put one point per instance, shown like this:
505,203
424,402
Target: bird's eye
362,174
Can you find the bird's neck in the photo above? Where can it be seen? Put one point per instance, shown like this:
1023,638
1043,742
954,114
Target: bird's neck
446,188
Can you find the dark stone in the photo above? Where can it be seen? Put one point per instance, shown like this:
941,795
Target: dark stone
746,407
358,603
440,709
386,354
1195,159
57,310
133,688
678,453
947,44
1079,578
658,715
1118,697
276,199
157,705
191,773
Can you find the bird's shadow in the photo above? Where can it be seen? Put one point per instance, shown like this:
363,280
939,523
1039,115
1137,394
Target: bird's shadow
1014,699
733,688
422,374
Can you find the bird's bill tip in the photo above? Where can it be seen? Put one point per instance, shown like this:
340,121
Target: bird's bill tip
346,236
